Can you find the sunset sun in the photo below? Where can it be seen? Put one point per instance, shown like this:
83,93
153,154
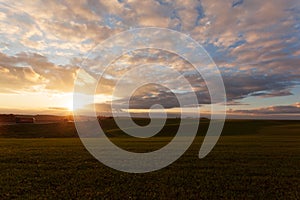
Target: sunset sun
70,107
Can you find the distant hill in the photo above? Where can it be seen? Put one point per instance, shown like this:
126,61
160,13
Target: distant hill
39,118
65,129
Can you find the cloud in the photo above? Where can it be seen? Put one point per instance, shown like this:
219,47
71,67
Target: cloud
58,108
236,103
280,110
255,43
237,3
244,85
33,72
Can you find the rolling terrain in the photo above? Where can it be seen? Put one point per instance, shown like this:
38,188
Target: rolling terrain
254,159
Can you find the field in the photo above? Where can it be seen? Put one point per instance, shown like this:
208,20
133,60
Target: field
252,160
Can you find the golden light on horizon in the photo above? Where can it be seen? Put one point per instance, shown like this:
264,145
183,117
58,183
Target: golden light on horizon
70,107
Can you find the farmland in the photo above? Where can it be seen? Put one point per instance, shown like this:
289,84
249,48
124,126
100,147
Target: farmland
253,159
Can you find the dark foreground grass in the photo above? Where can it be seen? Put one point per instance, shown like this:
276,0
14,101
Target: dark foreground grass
239,167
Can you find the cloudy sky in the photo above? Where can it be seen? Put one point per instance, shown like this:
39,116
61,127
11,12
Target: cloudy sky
255,44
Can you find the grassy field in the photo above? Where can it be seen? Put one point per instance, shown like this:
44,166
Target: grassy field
231,128
252,160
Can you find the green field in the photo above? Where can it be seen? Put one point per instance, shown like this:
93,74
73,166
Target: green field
252,160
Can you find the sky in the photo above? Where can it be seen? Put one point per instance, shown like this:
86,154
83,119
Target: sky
254,43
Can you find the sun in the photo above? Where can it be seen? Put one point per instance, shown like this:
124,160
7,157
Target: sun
69,106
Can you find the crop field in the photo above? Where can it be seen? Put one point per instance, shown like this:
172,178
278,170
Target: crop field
252,160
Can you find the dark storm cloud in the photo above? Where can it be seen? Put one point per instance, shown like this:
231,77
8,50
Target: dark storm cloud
242,85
